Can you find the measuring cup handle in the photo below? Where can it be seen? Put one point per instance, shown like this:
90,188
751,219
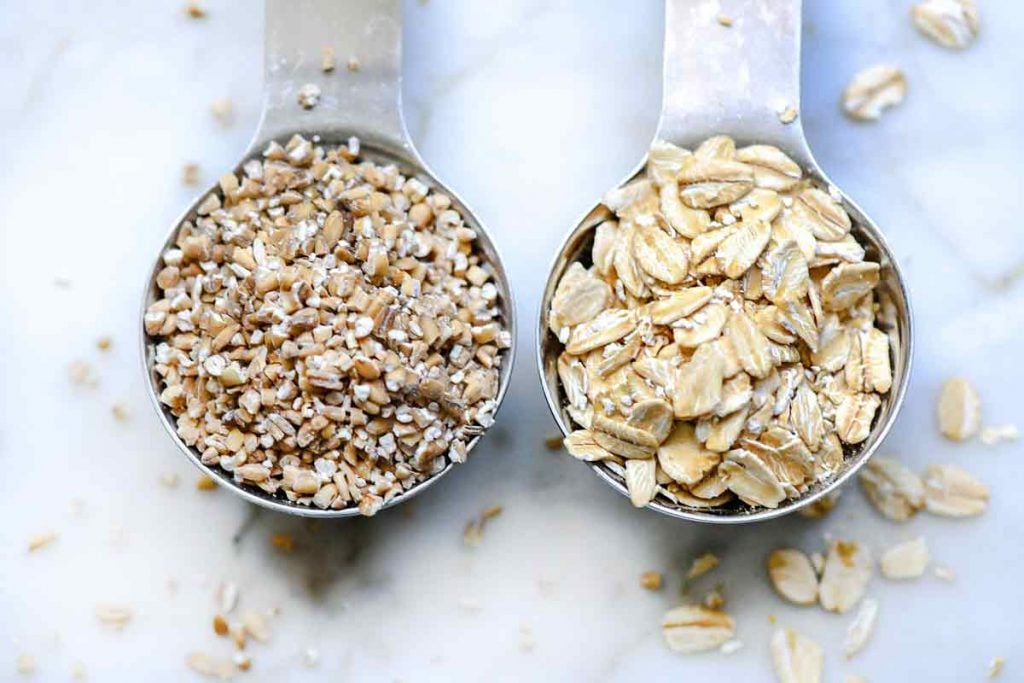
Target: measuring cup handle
366,98
733,79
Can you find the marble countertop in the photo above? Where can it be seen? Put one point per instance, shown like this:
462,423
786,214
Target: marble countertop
531,109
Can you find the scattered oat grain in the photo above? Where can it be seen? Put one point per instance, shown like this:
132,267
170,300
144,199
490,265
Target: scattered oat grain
553,442
116,616
788,114
170,479
327,59
959,409
82,374
353,64
190,174
283,541
873,90
694,628
206,483
195,10
952,491
702,565
25,664
796,658
725,20
995,666
40,541
119,412
952,24
220,625
309,95
996,434
104,343
860,629
651,580
223,110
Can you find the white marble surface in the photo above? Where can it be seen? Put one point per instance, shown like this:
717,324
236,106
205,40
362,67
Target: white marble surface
530,109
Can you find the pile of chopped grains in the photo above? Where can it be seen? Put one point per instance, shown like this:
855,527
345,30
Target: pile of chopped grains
725,341
325,328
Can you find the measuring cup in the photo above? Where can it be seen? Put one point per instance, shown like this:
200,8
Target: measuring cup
737,80
365,103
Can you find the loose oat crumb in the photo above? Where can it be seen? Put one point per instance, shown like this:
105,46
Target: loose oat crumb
353,64
40,541
195,10
119,412
220,625
526,641
255,625
309,95
26,664
170,480
702,565
553,442
114,615
725,20
190,174
715,599
211,667
943,572
788,114
206,483
651,580
223,110
996,434
104,343
995,666
82,374
242,661
473,534
730,646
227,596
283,541
327,59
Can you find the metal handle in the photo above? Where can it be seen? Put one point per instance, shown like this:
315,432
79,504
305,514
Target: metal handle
366,100
731,79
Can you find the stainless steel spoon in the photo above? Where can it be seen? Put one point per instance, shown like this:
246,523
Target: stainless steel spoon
365,103
736,81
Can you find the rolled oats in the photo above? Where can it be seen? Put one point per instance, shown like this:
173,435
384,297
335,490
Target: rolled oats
695,628
894,490
731,288
873,90
326,329
796,658
860,629
848,568
959,409
951,491
950,23
907,560
702,565
793,576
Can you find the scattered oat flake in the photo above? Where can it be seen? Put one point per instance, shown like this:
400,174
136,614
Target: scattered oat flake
906,560
82,374
170,479
223,110
994,435
694,628
725,20
943,572
952,491
40,541
195,10
995,666
730,646
205,483
220,625
227,596
104,343
283,541
797,658
242,661
255,625
119,412
327,59
714,599
788,114
114,615
952,24
26,664
353,64
959,409
793,576
651,580
860,629
211,667
848,568
873,90
190,174
702,565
